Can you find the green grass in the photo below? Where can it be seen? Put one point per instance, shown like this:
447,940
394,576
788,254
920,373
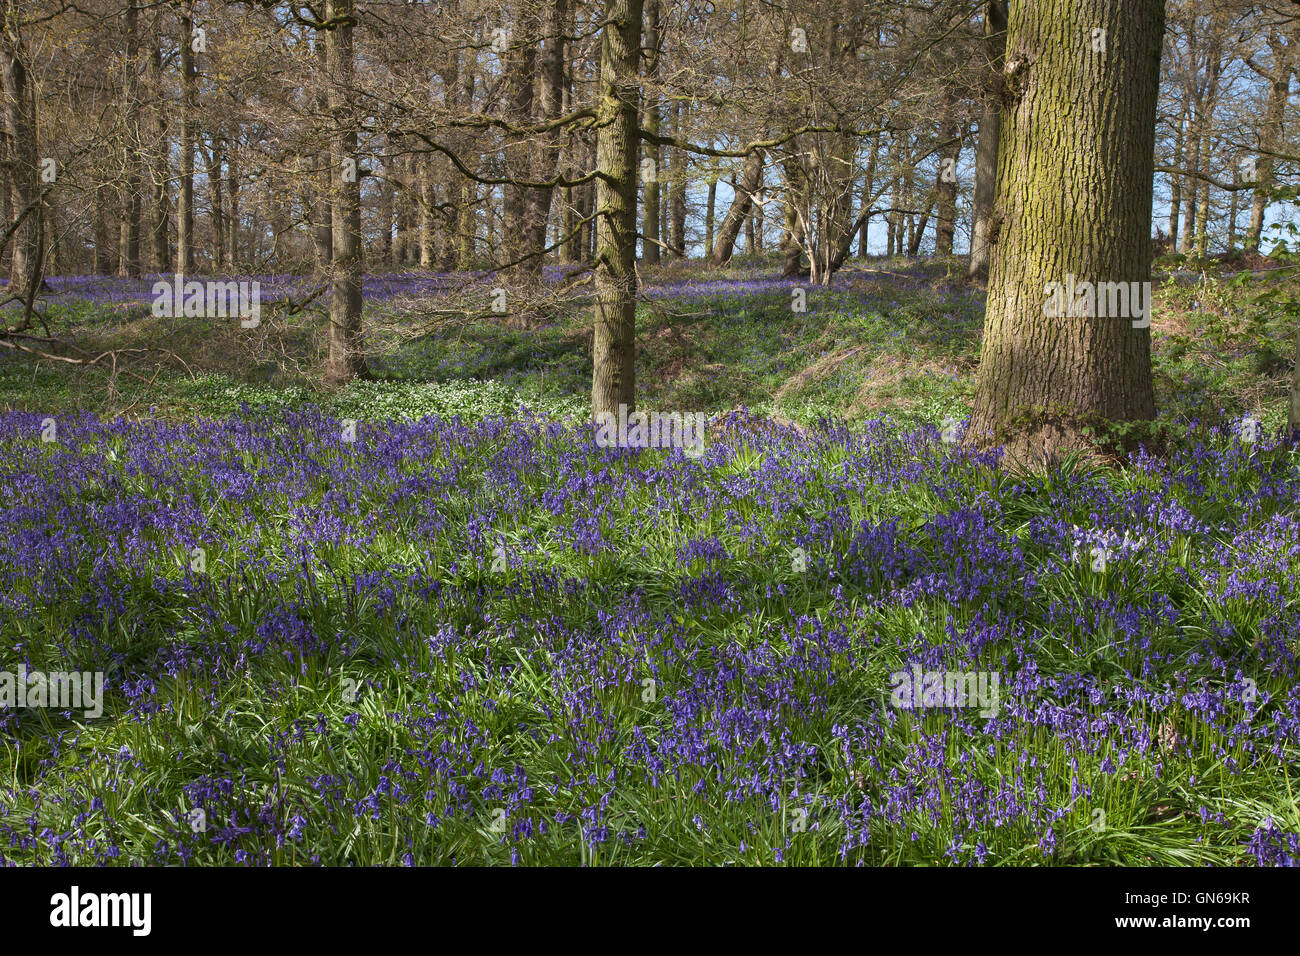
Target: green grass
515,650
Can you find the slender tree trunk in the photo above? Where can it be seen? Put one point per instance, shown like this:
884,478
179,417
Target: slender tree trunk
651,213
1191,187
614,346
428,224
677,189
710,211
751,175
1043,380
916,234
158,161
1232,220
319,216
103,261
945,187
1176,186
278,213
986,152
346,359
129,244
26,197
232,191
1293,412
1205,122
520,76
893,220
791,247
185,202
1270,134
216,191
546,150
402,210
1202,219
868,195
6,190
467,227
568,195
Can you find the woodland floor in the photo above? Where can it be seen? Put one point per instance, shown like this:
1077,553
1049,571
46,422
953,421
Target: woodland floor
471,635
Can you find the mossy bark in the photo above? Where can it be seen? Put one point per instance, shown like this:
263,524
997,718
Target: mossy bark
614,342
1074,193
346,359
986,153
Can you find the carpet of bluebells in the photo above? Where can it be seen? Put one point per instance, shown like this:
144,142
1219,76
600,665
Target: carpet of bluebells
450,642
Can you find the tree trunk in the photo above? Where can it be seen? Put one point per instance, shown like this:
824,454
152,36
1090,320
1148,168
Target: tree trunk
1191,187
102,264
917,234
1043,380
346,359
232,191
750,176
677,191
158,161
792,258
427,222
1270,135
868,197
319,216
1293,412
569,227
1176,185
710,211
216,189
185,201
520,75
651,213
614,345
1232,220
986,152
129,244
546,150
467,227
945,186
26,197
1202,220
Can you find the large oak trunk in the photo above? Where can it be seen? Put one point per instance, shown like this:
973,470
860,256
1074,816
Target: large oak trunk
1081,208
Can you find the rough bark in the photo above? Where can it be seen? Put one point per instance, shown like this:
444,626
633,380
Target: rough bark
520,74
26,197
750,176
346,358
103,255
216,188
710,210
945,187
986,151
677,192
1176,185
160,251
651,213
1084,211
129,225
185,199
1270,135
614,343
322,232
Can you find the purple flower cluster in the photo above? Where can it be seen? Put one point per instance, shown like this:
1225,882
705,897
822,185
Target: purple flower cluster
610,652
